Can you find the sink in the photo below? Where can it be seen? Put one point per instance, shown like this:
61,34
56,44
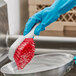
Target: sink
3,58
72,72
46,47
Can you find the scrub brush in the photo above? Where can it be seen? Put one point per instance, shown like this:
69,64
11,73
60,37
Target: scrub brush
22,50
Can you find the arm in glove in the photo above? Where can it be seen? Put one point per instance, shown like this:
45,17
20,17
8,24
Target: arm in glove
48,15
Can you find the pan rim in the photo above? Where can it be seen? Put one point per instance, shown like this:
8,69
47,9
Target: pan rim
49,69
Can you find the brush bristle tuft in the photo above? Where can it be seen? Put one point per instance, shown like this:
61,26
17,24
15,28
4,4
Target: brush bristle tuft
24,53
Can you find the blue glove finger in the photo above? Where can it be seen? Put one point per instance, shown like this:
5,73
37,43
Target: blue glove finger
38,29
31,22
29,25
74,57
46,20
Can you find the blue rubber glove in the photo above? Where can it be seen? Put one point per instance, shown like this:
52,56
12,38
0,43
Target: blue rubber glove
48,15
75,59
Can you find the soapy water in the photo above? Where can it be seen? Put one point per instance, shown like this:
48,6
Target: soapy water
40,63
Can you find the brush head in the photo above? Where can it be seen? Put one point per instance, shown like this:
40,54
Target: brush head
24,53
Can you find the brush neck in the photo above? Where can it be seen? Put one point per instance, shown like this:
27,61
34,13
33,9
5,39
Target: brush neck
31,33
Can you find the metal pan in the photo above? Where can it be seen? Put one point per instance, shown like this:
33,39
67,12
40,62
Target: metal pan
42,65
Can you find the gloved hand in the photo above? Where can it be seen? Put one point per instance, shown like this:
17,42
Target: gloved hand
48,15
75,59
